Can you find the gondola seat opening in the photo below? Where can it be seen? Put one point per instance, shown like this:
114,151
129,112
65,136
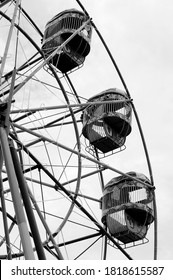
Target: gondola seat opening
107,122
58,30
127,207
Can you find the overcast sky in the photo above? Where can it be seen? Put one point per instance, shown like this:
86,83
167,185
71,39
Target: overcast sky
139,34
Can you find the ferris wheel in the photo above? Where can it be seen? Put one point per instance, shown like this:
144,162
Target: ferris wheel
64,193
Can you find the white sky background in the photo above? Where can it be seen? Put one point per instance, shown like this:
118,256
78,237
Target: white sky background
140,37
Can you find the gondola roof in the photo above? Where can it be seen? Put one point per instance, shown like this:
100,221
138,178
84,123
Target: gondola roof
65,12
109,91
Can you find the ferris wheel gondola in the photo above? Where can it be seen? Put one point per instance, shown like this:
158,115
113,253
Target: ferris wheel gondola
58,30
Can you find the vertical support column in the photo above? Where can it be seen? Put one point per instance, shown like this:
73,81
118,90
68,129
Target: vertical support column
4,213
5,223
8,39
20,216
27,203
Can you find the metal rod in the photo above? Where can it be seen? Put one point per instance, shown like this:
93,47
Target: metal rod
45,226
27,204
68,106
80,239
102,187
63,184
9,230
9,39
31,21
4,3
22,225
4,212
7,120
50,125
23,116
73,88
84,251
4,215
46,126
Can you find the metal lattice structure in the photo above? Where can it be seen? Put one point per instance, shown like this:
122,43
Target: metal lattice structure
58,146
